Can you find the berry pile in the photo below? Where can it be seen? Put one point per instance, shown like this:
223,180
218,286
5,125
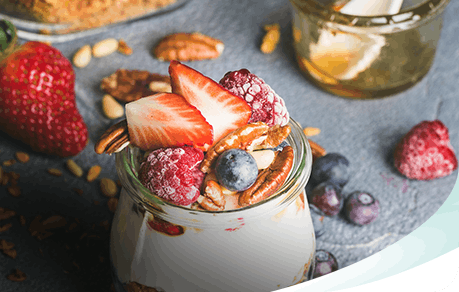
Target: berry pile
181,129
330,173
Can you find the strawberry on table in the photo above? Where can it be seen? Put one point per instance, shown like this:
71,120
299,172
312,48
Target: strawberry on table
37,100
223,110
166,120
425,153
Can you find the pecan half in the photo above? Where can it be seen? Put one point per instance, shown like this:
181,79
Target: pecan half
316,150
248,137
212,199
114,139
129,85
270,179
188,47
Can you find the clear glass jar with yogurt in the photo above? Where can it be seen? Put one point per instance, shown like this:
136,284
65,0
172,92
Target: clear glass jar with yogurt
164,247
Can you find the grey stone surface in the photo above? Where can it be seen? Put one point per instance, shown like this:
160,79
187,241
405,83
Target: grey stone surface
364,131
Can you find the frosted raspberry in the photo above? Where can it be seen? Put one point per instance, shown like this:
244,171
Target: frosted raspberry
266,105
425,152
173,174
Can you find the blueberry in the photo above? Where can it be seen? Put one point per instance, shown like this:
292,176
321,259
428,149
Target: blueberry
236,169
318,220
331,167
327,198
361,208
325,263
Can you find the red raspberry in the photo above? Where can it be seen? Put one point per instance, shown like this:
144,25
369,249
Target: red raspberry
425,152
266,105
173,174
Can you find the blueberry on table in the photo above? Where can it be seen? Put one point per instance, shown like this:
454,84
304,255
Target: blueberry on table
325,263
361,208
236,170
331,167
327,198
317,221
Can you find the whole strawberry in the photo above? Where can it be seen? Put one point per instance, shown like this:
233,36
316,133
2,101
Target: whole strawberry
37,100
425,153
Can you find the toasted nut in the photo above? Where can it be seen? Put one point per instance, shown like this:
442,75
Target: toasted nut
188,47
54,171
310,131
93,173
105,48
108,187
112,203
6,214
269,179
82,57
123,48
264,158
9,162
129,85
17,276
15,191
74,168
5,227
271,38
112,109
12,253
22,157
316,149
160,86
4,245
212,199
114,139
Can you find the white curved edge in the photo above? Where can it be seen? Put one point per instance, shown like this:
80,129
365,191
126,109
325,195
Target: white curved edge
430,254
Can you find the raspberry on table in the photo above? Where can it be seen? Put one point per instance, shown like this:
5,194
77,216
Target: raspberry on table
425,153
173,174
266,105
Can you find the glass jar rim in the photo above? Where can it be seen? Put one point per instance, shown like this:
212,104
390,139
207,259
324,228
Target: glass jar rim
404,20
294,184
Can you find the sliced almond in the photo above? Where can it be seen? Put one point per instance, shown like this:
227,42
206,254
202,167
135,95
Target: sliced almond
271,38
74,168
310,131
123,48
82,57
93,173
105,48
160,86
54,171
112,109
22,157
108,187
263,158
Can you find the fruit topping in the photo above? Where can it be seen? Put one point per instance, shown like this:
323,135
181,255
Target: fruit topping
327,198
236,169
173,174
37,100
425,153
332,167
325,263
166,120
361,208
266,105
224,111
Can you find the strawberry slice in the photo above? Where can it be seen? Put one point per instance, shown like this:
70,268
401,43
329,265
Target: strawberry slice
166,120
222,109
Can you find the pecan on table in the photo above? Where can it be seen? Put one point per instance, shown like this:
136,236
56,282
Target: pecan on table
129,85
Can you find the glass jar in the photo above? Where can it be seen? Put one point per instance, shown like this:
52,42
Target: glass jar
262,247
366,57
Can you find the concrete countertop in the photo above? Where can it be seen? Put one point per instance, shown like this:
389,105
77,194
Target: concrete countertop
366,132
